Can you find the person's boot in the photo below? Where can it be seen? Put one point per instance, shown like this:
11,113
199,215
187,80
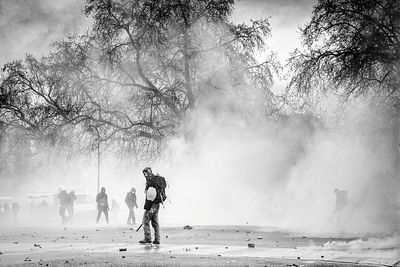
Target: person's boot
156,242
145,241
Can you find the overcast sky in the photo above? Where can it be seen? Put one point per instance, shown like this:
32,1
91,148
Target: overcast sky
286,16
29,26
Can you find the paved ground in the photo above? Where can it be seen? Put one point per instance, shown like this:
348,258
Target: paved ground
200,246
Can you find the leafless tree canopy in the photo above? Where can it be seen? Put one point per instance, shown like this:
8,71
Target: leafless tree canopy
131,79
351,44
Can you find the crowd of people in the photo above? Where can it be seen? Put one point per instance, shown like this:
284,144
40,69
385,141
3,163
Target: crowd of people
154,193
66,201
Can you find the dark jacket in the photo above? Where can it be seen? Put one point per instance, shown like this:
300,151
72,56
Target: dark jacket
102,200
130,200
63,197
156,182
71,198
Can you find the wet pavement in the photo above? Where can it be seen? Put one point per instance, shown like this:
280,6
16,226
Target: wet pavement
22,245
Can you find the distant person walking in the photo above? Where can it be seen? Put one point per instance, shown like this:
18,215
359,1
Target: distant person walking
341,203
102,204
64,201
70,207
155,194
130,201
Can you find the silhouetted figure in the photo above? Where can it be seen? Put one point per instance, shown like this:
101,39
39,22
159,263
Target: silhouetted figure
70,207
6,208
15,210
341,203
64,200
102,204
6,211
130,201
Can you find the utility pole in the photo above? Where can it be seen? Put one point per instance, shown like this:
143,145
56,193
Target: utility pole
98,162
94,129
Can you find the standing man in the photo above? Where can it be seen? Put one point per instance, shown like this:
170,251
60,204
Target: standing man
155,194
102,204
63,199
70,208
130,201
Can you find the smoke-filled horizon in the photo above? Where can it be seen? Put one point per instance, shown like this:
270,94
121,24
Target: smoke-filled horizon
228,168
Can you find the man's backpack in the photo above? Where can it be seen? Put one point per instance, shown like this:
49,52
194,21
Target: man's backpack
160,184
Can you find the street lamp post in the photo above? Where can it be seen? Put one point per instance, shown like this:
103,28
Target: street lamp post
98,161
98,156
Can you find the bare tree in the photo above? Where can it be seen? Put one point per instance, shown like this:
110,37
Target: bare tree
353,46
136,74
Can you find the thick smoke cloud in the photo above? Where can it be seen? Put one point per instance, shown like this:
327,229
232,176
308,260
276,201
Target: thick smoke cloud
284,174
30,26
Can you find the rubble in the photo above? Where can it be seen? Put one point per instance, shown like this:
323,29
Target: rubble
251,245
122,249
187,227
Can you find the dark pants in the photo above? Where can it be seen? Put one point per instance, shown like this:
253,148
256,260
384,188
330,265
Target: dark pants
151,215
99,211
131,216
62,213
70,210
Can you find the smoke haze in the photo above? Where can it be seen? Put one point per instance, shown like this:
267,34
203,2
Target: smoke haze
30,26
232,165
